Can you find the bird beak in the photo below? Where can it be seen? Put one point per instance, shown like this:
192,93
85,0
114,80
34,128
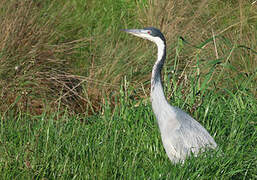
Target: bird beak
136,32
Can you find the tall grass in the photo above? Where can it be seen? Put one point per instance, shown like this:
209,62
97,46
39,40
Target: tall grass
35,72
71,53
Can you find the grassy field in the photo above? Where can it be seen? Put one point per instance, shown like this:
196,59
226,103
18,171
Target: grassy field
125,143
75,89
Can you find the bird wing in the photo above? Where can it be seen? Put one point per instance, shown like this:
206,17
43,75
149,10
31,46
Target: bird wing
186,137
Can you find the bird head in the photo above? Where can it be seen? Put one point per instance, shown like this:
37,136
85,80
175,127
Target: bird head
149,33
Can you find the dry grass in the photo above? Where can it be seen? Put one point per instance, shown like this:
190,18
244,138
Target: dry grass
35,73
198,21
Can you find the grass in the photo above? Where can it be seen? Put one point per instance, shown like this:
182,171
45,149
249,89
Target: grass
125,143
74,89
70,53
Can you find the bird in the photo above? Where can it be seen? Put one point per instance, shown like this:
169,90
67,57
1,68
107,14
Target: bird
182,136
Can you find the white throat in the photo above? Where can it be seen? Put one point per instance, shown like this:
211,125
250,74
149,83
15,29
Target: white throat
157,93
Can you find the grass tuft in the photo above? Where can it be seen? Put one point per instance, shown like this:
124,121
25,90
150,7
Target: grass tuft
34,75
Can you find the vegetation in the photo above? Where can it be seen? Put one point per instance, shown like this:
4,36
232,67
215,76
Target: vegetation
74,89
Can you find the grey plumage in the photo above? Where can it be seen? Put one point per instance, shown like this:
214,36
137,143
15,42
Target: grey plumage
181,134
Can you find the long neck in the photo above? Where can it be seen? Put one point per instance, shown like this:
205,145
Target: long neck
157,94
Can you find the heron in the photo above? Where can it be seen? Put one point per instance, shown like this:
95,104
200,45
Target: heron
182,136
